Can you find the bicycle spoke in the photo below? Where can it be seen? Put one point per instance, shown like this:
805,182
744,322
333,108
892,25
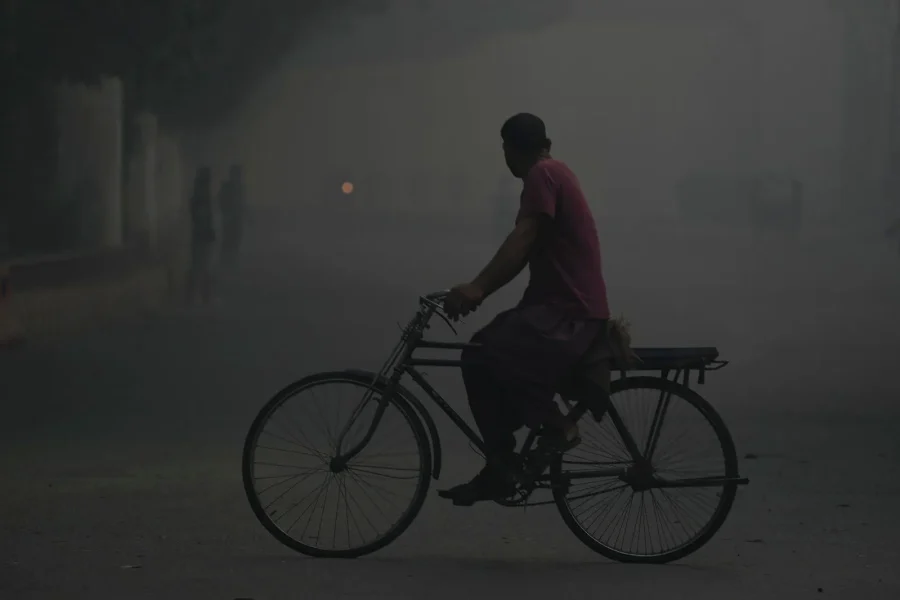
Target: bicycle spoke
348,507
645,521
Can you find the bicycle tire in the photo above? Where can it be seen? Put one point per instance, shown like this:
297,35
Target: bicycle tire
726,498
319,379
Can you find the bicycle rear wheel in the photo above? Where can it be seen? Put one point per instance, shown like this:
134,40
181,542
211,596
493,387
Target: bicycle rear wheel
303,501
629,524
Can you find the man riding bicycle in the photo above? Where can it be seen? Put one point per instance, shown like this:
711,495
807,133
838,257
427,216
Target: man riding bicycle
512,376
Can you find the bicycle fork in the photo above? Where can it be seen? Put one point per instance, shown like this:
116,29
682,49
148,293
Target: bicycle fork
340,461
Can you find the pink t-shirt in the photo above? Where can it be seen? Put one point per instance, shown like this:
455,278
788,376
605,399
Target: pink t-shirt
565,267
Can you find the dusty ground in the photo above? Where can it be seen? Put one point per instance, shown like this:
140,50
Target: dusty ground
121,449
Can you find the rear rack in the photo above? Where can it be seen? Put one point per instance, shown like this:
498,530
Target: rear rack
682,372
683,361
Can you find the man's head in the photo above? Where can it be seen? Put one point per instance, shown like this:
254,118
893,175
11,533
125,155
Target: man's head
524,142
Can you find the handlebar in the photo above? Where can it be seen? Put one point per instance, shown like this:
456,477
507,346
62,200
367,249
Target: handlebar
436,296
434,303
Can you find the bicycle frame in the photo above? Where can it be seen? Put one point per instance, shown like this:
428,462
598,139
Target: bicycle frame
402,362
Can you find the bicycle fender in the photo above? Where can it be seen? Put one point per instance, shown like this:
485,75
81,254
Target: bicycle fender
417,405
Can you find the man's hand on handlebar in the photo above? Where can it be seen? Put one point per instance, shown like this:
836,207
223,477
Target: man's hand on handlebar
462,300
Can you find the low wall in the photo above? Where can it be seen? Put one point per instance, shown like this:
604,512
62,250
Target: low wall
61,294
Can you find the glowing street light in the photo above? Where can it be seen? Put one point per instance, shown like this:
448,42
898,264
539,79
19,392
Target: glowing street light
347,188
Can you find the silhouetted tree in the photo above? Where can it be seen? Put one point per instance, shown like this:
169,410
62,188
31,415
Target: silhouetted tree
190,61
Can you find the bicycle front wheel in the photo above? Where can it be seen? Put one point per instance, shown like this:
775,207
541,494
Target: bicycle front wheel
630,519
318,508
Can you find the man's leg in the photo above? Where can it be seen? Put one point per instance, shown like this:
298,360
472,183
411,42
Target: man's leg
540,348
541,412
487,404
496,423
502,402
511,380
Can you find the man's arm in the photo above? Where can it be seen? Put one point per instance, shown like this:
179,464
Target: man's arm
512,256
536,211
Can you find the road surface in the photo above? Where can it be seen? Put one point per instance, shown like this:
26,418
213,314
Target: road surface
121,448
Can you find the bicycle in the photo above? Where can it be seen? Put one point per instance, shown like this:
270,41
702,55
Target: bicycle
636,468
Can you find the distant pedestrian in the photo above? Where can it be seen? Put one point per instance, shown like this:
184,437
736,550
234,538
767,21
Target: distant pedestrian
203,237
231,203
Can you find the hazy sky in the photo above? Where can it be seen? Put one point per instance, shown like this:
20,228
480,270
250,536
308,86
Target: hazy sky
635,95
